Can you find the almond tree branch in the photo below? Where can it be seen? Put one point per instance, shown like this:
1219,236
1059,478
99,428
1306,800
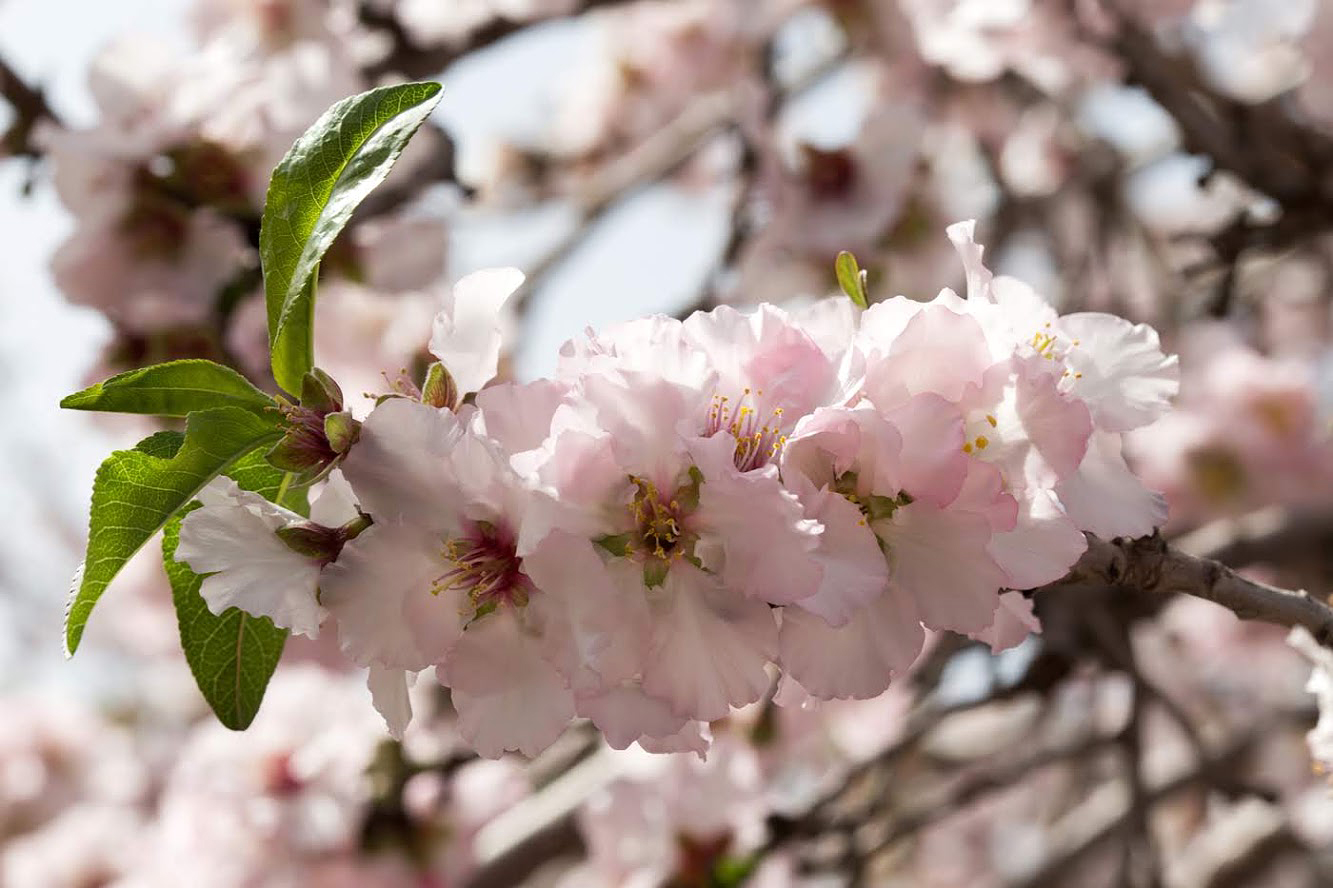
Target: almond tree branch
414,61
1149,566
30,108
1267,145
1102,819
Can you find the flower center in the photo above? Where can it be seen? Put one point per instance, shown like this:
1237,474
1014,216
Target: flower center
658,521
485,567
874,507
1217,472
658,535
979,442
757,443
1046,343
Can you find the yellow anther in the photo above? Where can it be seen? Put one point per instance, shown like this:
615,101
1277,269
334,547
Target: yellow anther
990,419
967,448
982,442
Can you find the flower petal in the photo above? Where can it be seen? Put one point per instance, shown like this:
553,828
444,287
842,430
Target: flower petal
1106,498
710,646
250,567
399,467
1014,622
388,691
508,696
466,335
379,591
1120,370
939,558
857,660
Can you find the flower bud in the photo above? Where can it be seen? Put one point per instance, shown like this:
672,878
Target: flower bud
320,542
320,392
304,449
341,431
439,389
313,540
317,432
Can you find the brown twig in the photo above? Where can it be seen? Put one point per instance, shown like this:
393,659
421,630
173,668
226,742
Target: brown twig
410,60
1150,567
30,108
1054,870
650,161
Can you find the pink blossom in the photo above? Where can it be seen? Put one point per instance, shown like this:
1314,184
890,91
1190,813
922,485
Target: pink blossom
233,540
928,510
442,577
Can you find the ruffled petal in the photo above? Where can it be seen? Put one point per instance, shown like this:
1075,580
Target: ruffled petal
854,570
508,696
767,540
939,351
388,691
709,646
1119,369
1014,622
624,714
250,567
599,630
336,503
379,591
857,660
1042,547
694,737
932,463
962,235
939,558
399,467
1106,498
1057,424
466,335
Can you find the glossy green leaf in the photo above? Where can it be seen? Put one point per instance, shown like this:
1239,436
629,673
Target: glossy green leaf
232,655
326,174
137,491
176,388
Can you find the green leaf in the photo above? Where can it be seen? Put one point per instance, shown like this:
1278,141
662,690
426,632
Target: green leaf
325,175
137,491
176,388
851,278
232,655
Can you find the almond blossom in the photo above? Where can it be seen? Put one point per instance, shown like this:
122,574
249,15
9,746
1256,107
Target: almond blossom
240,540
913,519
441,580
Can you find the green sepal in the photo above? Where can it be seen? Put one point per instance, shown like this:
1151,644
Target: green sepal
620,544
655,572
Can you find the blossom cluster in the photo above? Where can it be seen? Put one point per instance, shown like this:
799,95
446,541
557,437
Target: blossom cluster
1247,431
638,539
289,803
